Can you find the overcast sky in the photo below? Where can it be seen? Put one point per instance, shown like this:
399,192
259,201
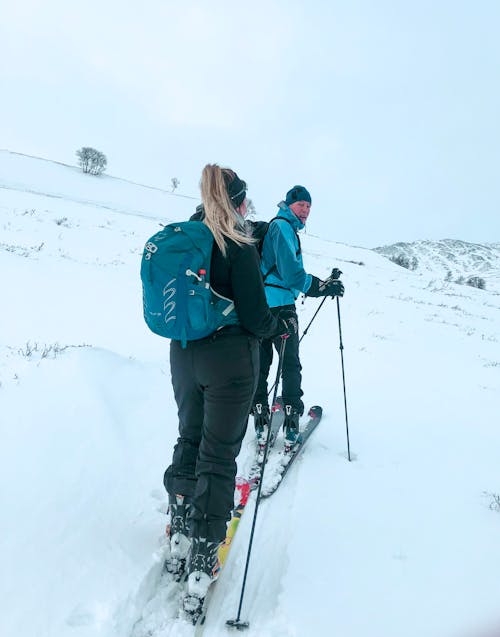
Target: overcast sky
388,111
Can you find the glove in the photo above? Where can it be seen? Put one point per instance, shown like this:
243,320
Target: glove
330,287
287,323
334,288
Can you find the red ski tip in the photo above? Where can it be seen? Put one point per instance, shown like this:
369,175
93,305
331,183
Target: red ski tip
315,412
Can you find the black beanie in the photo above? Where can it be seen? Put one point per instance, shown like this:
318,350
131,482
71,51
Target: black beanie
237,191
297,193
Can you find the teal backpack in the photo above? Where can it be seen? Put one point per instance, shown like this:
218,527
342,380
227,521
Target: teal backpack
178,300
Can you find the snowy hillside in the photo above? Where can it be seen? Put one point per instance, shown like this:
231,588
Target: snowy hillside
402,541
53,185
451,259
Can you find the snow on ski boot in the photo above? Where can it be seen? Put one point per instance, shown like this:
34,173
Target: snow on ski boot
291,427
261,421
179,535
203,570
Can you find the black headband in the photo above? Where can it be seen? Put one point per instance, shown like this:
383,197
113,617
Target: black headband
237,191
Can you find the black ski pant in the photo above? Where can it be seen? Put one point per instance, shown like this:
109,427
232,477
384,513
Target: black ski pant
291,374
214,381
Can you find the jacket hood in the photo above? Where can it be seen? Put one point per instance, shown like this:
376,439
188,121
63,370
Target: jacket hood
284,211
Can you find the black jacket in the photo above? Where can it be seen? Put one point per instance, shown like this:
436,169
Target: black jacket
237,276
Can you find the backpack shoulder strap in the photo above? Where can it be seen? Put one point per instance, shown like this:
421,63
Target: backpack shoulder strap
293,228
299,251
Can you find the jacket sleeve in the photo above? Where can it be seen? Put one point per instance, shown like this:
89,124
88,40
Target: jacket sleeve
288,264
248,293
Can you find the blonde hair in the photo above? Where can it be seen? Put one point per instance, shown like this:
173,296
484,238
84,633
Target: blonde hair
220,214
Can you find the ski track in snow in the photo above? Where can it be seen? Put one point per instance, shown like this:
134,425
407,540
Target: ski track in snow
88,422
158,602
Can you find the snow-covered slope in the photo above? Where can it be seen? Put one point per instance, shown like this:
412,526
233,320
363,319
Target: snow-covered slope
55,184
401,541
451,259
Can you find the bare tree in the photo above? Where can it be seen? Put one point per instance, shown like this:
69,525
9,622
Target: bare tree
251,211
91,161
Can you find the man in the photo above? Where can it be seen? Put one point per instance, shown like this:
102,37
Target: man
284,279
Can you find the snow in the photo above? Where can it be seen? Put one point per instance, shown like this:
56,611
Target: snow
403,540
451,259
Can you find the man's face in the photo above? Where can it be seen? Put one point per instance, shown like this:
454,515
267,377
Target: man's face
301,210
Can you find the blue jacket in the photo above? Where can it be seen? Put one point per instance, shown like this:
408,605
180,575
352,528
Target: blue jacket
282,266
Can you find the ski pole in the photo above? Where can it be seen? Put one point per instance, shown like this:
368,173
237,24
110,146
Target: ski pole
237,623
335,274
309,325
305,332
343,381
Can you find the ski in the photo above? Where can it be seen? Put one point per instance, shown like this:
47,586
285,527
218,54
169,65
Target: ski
276,422
286,459
198,606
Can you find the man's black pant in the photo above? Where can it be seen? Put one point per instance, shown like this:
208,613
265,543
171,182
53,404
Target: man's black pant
292,378
214,381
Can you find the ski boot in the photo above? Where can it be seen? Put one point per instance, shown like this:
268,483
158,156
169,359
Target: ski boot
203,569
291,427
261,418
179,535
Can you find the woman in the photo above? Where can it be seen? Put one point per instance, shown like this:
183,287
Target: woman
214,380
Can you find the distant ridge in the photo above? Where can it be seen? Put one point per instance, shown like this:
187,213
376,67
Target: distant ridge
460,258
